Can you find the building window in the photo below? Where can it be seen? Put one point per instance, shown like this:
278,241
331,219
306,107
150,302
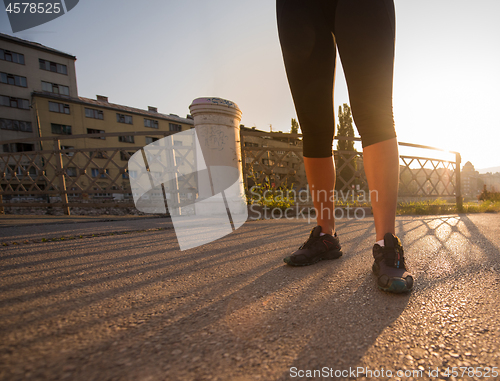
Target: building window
7,55
53,66
21,170
126,139
14,102
93,113
67,148
267,162
150,140
71,171
54,88
98,154
60,129
125,156
99,195
175,127
11,79
59,107
94,131
121,118
150,123
95,172
15,125
18,147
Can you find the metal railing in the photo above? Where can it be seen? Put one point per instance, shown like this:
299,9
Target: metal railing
267,160
58,176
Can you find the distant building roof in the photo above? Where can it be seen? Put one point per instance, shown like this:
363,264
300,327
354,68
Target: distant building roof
116,107
280,136
244,128
468,167
34,45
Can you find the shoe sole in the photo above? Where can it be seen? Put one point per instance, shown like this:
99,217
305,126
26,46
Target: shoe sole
328,256
396,286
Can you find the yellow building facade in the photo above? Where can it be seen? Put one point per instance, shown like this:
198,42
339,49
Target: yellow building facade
97,165
25,67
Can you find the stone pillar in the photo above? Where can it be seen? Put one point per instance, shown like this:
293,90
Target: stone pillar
217,125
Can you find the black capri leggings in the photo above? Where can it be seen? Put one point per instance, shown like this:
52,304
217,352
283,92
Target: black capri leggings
363,31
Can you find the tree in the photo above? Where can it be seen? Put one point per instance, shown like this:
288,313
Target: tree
295,127
345,160
344,128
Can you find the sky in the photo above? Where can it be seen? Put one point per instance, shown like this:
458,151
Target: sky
166,53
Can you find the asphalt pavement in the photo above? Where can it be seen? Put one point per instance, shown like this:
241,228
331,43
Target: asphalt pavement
107,298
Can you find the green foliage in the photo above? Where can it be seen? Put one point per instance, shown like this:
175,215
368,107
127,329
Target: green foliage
407,185
295,127
345,128
483,207
439,206
489,196
427,207
263,193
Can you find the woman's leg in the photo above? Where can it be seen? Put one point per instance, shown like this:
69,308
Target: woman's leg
321,178
381,163
364,31
308,49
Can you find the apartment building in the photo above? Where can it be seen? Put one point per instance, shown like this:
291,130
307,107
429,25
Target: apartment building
268,158
99,161
63,116
471,182
491,181
39,98
26,67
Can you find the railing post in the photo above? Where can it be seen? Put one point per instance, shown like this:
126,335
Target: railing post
244,170
62,181
175,189
1,204
458,186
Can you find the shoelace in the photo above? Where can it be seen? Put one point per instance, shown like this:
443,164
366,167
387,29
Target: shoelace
399,259
394,258
310,241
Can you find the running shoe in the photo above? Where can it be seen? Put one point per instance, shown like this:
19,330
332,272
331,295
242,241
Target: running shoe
390,267
316,248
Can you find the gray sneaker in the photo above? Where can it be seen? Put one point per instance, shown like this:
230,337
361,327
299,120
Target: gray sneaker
390,267
315,249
